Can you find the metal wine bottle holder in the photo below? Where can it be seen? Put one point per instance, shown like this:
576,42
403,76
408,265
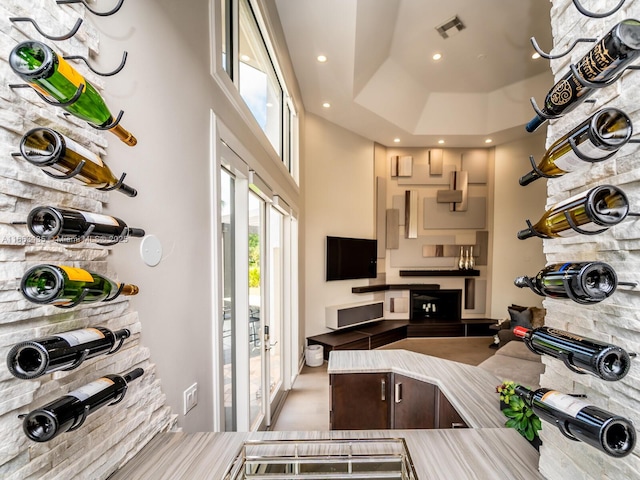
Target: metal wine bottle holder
73,173
585,83
588,13
65,36
565,283
567,356
571,222
100,14
579,154
74,99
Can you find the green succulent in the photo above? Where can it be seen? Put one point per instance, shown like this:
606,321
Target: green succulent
520,415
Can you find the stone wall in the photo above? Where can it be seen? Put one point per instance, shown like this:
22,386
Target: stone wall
114,434
617,319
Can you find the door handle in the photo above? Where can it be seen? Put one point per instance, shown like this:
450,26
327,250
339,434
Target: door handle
383,390
398,392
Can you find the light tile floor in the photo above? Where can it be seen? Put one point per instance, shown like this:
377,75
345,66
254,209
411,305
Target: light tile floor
307,404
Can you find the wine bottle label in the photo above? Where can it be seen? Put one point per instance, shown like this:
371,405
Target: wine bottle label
569,162
91,389
83,152
563,402
99,219
70,73
77,337
77,274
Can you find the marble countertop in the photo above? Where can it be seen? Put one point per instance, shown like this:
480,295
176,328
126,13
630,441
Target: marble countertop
487,450
470,389
496,453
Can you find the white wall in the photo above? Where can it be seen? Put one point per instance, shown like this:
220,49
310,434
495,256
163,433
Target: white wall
339,192
168,94
513,204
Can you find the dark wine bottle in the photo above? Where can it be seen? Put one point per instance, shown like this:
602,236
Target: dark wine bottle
65,286
70,411
51,223
591,212
54,152
595,140
579,421
582,282
50,74
610,56
580,354
34,358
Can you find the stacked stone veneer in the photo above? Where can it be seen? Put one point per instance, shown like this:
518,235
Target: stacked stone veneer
617,319
111,435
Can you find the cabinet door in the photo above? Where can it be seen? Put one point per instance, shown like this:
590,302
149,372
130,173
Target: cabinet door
414,403
448,417
360,401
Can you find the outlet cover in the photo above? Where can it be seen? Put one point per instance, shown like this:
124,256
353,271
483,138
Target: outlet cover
190,398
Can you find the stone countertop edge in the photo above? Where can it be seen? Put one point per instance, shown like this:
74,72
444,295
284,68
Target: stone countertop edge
470,389
461,454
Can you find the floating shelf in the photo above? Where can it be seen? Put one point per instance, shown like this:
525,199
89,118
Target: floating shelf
439,273
395,286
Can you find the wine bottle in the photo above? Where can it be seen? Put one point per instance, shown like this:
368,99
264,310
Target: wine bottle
69,411
582,282
610,56
51,223
579,421
54,152
590,212
580,354
595,140
37,357
50,74
65,286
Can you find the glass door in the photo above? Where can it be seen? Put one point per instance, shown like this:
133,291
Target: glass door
256,308
229,333
273,343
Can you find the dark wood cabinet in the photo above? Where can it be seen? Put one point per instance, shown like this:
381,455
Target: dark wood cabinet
414,403
448,417
360,401
378,401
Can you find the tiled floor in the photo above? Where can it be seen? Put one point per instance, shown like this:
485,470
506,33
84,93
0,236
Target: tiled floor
307,404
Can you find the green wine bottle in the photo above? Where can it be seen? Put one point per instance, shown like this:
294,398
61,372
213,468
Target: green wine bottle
64,286
50,74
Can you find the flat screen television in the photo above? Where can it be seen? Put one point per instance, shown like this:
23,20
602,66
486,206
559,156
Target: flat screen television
350,258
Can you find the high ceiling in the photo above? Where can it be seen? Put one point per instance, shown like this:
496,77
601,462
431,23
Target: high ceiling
382,82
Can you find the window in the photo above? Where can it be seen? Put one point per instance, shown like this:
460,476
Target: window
255,73
257,80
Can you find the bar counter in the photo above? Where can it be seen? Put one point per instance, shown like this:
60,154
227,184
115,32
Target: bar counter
486,450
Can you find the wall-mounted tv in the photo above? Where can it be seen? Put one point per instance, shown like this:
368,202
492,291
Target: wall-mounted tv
349,258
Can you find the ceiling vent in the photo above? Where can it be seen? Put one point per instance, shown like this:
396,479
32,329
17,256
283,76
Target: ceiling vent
450,27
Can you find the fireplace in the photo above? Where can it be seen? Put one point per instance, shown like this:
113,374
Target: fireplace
437,305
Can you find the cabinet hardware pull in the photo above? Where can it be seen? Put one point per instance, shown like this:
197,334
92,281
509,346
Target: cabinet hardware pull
457,425
383,390
398,392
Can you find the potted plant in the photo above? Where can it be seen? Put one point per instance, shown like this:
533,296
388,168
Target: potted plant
519,415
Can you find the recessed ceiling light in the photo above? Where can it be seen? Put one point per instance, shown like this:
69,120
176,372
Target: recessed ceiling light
245,58
440,142
321,58
397,140
437,56
535,56
488,140
326,104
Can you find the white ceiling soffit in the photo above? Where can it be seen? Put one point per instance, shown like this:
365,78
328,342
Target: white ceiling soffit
382,83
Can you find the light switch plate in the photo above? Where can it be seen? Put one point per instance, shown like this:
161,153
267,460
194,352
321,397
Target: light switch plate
190,398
